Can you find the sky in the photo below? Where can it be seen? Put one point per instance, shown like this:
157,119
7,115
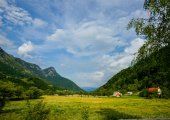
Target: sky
85,40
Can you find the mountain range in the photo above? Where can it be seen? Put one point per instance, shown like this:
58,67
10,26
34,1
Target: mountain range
12,67
89,89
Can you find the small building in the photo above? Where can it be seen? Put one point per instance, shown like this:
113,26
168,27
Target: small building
152,90
158,90
117,94
129,93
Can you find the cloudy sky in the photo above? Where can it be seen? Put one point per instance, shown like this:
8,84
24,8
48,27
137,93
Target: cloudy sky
85,40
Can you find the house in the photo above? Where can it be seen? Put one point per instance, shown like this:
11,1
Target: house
129,93
158,90
152,90
117,94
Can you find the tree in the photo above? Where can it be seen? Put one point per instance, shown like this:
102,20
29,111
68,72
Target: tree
37,111
155,29
7,90
34,93
19,92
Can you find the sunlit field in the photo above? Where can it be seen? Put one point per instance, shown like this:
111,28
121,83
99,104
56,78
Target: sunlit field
93,108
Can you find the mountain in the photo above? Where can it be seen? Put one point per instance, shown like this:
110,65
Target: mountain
20,69
17,67
59,81
153,71
89,89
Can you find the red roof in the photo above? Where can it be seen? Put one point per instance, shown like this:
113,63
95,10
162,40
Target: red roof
151,90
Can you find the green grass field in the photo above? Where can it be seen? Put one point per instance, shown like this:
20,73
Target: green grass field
93,108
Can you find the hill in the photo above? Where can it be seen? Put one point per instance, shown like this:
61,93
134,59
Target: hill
63,83
20,70
152,71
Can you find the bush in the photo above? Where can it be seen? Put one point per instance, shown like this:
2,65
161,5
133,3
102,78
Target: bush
37,111
85,113
34,93
154,94
7,91
165,92
144,93
2,104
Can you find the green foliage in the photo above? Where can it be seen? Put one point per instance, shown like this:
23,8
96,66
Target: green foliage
2,104
165,92
7,90
85,113
19,92
60,82
99,108
149,72
34,93
111,114
37,111
39,83
27,74
152,64
132,87
155,28
144,93
154,94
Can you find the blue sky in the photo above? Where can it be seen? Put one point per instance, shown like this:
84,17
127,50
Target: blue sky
85,40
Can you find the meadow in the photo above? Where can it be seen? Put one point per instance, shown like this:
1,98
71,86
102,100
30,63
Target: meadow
92,108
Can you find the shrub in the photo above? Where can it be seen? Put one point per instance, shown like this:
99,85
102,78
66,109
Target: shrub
154,94
7,90
34,93
2,104
165,92
37,111
85,113
144,93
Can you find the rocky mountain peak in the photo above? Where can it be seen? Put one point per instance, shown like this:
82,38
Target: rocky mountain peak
50,71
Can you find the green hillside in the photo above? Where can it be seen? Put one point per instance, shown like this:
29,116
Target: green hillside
152,71
152,63
59,81
21,72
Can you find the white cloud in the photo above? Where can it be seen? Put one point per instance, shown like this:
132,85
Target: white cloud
111,64
90,79
14,14
139,14
25,49
123,60
3,3
5,42
85,39
94,32
94,71
57,36
0,21
38,23
134,46
108,46
18,16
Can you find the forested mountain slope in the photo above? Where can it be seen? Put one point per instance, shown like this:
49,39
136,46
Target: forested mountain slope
19,70
63,83
152,71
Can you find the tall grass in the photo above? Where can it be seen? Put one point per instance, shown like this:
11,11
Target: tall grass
36,111
91,108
